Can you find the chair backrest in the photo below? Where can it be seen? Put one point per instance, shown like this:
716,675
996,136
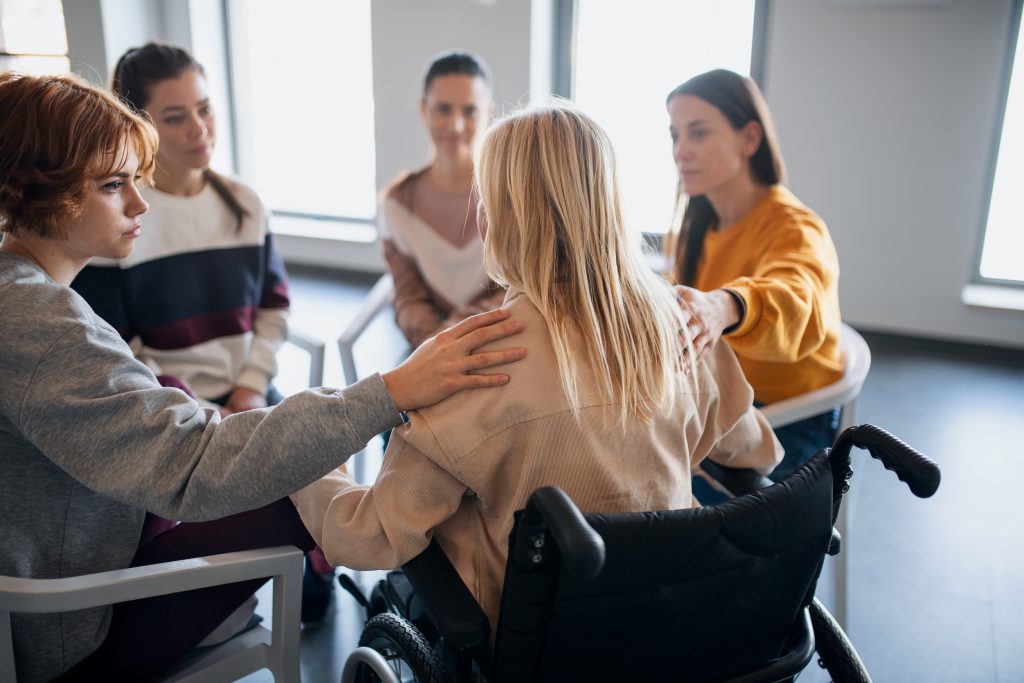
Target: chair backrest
316,350
842,393
379,298
700,593
276,649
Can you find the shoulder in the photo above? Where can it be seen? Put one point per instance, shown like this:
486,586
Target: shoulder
466,419
38,312
401,186
782,208
243,192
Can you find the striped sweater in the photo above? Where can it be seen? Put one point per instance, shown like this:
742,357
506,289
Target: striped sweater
198,298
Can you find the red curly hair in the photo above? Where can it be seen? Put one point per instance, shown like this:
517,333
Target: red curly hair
56,134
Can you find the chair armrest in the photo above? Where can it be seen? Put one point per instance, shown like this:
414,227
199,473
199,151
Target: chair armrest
737,480
376,300
857,360
316,350
105,588
447,601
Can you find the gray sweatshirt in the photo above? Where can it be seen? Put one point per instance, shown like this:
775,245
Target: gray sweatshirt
89,441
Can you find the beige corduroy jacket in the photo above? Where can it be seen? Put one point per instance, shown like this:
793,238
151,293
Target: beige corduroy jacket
458,470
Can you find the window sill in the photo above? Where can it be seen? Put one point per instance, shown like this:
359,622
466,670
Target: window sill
993,296
328,243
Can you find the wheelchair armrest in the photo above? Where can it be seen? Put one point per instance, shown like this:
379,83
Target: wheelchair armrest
447,601
737,480
582,548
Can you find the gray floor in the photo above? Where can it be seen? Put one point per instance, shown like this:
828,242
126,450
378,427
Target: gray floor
936,586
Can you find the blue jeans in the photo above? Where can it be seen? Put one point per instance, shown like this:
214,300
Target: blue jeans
800,441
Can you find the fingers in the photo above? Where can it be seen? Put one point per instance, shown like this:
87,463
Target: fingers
484,335
479,381
485,360
475,322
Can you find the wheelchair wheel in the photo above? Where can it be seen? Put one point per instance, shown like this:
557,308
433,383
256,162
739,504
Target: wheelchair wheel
836,653
408,653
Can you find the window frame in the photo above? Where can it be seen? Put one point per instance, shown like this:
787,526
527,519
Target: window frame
1006,75
564,85
315,220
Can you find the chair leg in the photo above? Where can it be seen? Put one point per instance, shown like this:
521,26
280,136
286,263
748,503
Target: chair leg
287,607
847,414
841,562
6,648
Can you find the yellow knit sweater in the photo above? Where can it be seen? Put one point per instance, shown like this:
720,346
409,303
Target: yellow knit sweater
780,260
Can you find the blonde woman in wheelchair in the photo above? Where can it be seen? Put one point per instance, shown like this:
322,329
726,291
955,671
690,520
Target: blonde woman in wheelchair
606,404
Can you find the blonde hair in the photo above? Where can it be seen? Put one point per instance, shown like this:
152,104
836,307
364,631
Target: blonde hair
547,182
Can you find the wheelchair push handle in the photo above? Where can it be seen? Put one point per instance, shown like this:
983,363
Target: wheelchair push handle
920,473
581,547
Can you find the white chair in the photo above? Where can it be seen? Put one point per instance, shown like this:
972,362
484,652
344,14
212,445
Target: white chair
842,394
276,649
316,350
377,300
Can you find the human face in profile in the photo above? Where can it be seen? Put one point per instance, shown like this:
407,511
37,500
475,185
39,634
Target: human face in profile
711,156
455,110
110,218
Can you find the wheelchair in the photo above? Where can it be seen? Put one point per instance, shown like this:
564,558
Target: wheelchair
721,593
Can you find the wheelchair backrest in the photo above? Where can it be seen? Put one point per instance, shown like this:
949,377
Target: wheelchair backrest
689,594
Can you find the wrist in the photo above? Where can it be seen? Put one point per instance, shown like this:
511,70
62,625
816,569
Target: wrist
733,308
393,385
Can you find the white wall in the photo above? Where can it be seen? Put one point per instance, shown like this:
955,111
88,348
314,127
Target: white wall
886,117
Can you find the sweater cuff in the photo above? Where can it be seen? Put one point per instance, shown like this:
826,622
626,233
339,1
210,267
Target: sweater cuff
254,379
750,310
742,306
377,411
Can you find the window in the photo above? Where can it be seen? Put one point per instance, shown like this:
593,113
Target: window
622,77
32,37
303,96
1003,243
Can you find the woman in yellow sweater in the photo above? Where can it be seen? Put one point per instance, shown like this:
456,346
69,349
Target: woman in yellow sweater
753,263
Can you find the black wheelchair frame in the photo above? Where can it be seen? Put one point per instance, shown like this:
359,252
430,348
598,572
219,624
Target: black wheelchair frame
748,568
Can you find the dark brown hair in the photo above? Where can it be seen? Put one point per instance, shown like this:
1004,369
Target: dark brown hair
456,62
56,134
141,68
740,101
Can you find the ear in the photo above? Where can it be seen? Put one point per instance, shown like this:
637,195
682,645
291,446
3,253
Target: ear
423,108
752,133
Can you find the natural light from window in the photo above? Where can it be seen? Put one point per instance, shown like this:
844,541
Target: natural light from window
304,105
32,37
1002,256
623,76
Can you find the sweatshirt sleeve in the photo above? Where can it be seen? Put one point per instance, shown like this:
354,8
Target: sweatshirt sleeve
99,414
735,433
787,294
270,327
415,311
387,524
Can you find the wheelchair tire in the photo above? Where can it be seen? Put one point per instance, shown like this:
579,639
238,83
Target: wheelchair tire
836,654
410,655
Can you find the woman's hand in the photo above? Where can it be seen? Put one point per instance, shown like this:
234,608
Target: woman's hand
441,365
710,313
244,398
